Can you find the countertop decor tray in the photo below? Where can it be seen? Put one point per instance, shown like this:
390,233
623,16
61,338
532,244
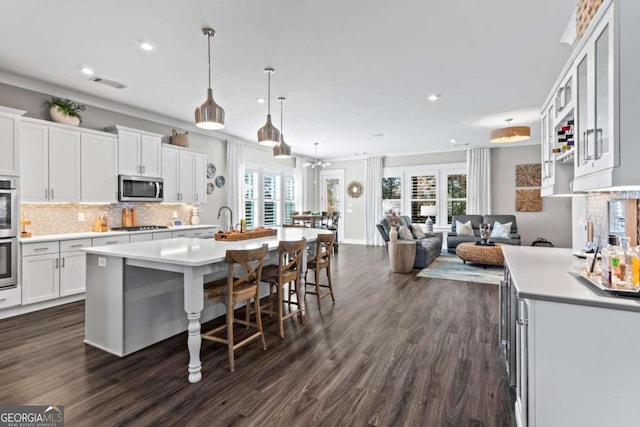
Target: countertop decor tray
595,281
235,235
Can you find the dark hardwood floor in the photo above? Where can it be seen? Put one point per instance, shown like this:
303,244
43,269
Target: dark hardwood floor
395,350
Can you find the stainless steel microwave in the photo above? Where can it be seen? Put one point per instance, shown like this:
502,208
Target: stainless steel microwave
140,189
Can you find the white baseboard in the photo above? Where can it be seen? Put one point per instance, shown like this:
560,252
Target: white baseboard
24,309
353,241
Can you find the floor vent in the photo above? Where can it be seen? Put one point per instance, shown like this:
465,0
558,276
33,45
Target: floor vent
107,82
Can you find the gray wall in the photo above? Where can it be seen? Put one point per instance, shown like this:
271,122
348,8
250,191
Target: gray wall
553,223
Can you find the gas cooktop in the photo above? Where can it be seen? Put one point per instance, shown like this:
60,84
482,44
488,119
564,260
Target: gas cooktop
140,228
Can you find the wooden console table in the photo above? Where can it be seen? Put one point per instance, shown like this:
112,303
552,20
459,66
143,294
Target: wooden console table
402,255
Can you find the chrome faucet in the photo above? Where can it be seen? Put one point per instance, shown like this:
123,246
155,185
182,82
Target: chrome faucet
230,214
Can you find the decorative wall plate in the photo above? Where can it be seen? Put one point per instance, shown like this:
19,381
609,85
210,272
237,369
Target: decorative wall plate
210,187
354,189
211,170
220,181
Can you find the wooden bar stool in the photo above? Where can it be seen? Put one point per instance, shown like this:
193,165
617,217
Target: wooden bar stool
321,259
231,290
286,271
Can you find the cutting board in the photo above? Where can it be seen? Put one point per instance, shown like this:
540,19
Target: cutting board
129,217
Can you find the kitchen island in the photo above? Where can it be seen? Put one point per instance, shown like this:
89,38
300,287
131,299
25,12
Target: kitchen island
138,293
571,349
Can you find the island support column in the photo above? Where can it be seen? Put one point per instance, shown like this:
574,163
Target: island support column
193,305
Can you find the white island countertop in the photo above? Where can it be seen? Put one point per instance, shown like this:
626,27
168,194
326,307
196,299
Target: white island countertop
93,234
546,274
197,252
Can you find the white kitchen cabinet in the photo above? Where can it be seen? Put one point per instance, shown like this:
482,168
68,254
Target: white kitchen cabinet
110,240
50,164
10,297
162,235
40,272
198,233
53,269
184,174
139,152
9,140
99,168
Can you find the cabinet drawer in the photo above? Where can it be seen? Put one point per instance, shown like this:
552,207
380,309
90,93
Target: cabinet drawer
10,297
162,235
112,240
74,245
42,248
143,237
183,233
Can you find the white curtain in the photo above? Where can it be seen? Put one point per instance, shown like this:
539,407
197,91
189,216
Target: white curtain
235,175
479,181
372,199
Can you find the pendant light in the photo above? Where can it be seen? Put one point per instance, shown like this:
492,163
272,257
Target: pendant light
209,115
510,133
282,150
268,134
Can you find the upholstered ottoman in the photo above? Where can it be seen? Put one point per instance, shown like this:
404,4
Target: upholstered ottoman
488,255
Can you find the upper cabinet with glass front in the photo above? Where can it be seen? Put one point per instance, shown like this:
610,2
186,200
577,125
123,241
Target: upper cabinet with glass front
607,69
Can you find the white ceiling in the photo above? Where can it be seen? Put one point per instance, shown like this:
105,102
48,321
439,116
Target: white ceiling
349,69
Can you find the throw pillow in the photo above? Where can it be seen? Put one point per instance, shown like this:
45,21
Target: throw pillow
501,231
464,229
404,233
417,231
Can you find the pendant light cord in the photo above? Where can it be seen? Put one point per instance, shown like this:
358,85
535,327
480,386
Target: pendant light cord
269,92
209,56
281,128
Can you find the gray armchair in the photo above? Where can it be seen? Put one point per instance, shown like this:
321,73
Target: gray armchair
427,248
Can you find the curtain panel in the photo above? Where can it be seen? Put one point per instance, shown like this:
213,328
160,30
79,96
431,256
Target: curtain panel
373,199
235,174
479,181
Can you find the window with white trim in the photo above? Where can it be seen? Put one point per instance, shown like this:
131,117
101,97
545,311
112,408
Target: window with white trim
269,195
437,191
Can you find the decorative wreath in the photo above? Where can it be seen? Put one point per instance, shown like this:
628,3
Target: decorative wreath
354,189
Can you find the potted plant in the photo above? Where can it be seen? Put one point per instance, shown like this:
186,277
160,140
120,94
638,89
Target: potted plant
65,111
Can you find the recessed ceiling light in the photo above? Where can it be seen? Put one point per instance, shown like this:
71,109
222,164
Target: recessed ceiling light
87,71
453,141
146,46
261,100
434,97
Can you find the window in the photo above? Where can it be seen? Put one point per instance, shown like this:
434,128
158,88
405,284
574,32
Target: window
289,198
456,195
439,192
271,200
269,196
250,197
424,192
392,193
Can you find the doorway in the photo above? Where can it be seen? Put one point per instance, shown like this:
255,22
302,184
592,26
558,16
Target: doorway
332,195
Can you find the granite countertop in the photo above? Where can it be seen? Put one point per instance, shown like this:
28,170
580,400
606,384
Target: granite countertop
547,274
197,252
92,234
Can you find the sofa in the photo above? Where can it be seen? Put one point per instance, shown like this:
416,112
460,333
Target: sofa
454,240
427,248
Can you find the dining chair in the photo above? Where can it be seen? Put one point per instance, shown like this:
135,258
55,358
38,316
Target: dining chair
333,226
291,215
287,271
324,221
321,259
306,222
231,290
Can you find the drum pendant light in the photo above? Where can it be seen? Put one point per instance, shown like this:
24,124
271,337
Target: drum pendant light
510,134
282,150
209,115
268,134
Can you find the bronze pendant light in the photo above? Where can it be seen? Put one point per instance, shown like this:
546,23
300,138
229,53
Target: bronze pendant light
282,150
209,115
268,134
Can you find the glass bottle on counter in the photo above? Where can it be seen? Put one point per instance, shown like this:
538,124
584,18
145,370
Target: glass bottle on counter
632,274
617,265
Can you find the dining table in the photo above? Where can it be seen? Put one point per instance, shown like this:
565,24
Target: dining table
314,220
138,294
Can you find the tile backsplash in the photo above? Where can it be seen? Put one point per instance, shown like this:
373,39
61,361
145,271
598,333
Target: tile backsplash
597,210
63,218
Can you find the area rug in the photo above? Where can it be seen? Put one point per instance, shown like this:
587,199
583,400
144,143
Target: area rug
450,267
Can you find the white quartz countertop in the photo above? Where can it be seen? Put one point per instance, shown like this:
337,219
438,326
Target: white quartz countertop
92,234
546,274
197,252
